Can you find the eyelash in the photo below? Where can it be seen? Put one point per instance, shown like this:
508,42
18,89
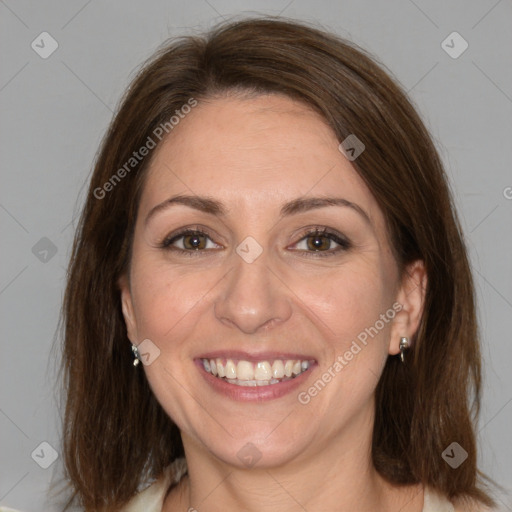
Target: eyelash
317,231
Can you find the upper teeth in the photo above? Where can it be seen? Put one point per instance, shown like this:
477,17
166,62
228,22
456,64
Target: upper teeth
259,371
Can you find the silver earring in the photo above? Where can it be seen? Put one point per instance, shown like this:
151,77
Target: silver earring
137,358
404,344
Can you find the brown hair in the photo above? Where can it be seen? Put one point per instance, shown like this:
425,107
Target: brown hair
115,432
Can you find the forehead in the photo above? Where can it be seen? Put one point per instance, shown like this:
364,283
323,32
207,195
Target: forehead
252,153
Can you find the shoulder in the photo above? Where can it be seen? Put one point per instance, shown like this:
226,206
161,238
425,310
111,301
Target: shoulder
467,505
152,498
436,502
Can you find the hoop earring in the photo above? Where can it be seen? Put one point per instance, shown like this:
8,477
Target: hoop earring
404,344
136,354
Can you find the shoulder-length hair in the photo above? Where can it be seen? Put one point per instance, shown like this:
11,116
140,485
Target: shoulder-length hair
114,430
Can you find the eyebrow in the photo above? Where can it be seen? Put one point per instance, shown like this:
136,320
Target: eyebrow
214,207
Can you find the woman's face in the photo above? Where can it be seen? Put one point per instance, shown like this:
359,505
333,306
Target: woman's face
285,263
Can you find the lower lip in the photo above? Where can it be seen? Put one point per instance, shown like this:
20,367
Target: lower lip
253,393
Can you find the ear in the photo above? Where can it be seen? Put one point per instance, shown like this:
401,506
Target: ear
127,307
411,298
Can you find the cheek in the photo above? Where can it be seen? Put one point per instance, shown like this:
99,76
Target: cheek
349,300
166,308
163,299
355,309
354,306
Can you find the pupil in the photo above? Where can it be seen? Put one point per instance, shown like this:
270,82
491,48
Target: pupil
318,242
194,241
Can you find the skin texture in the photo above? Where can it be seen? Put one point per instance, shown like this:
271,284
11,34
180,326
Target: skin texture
254,155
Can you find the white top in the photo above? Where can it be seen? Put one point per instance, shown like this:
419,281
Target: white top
152,498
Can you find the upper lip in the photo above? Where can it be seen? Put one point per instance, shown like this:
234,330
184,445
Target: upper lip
255,356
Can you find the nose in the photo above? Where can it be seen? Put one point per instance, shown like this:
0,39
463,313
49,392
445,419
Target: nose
253,298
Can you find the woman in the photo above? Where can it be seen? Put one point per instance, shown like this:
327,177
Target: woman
269,300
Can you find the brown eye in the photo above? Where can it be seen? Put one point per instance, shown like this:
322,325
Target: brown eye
322,242
318,242
194,241
189,241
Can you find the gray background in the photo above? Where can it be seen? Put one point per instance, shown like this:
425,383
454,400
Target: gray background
54,112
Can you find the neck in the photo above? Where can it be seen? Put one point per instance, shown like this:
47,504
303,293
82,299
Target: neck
340,477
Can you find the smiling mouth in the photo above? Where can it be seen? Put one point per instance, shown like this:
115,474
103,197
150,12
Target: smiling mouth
260,373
